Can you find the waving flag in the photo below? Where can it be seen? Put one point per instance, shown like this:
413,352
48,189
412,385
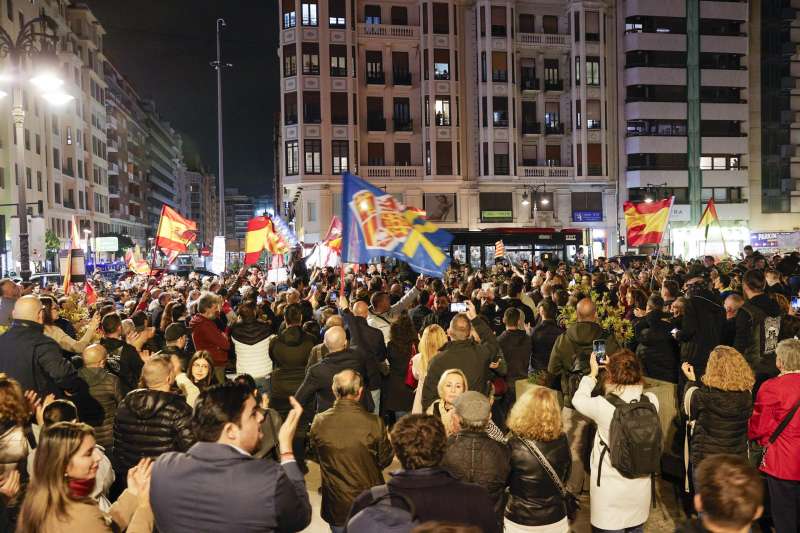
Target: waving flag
136,263
284,231
709,216
646,222
499,249
376,224
174,231
333,239
256,238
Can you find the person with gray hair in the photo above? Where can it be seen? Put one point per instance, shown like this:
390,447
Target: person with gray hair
777,404
351,446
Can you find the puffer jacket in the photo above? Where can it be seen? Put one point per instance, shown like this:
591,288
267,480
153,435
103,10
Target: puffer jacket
534,500
657,349
149,423
721,419
250,345
289,353
99,407
474,457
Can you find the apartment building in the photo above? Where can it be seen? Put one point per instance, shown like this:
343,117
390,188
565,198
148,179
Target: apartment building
487,115
203,204
165,160
684,92
239,209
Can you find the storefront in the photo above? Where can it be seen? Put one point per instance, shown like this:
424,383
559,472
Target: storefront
521,244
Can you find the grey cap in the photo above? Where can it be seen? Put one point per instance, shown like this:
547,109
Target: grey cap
472,406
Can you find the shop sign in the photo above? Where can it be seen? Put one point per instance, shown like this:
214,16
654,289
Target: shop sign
587,216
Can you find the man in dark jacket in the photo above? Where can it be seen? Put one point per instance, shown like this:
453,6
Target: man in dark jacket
176,337
657,349
207,336
420,311
476,360
99,408
472,455
701,326
441,315
351,446
758,327
317,383
419,442
261,495
367,338
544,335
514,291
123,358
34,359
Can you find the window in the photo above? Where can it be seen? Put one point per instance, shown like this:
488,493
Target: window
483,66
442,110
498,21
550,24
290,108
483,21
592,26
441,18
309,13
57,193
428,158
441,64
338,60
485,112
527,23
57,158
375,67
529,123
530,155
496,206
375,155
593,114
289,60
336,14
586,201
577,70
500,111
499,67
402,114
593,71
551,75
402,154
424,20
311,59
425,63
312,152
661,161
339,114
29,177
501,160
720,162
552,155
38,144
400,71
444,158
38,181
311,107
292,158
399,16
311,211
339,152
27,139
372,14
722,195
375,116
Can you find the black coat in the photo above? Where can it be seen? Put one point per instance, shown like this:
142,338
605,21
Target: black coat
441,318
506,303
368,339
720,421
124,361
35,360
438,496
417,316
544,337
289,353
701,329
534,500
474,457
398,396
517,348
149,423
318,380
657,349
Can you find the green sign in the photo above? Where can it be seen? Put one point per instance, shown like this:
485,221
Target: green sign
497,214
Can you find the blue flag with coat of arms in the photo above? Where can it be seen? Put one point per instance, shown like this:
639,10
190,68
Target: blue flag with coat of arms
375,223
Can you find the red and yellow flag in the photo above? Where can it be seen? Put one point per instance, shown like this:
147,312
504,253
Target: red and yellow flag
174,231
255,240
646,222
333,239
709,216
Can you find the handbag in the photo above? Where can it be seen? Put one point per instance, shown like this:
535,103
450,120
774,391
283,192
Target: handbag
571,503
757,453
411,381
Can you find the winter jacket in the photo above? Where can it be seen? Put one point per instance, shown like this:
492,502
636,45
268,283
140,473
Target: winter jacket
701,329
747,341
474,457
439,496
470,357
543,338
99,408
534,500
383,321
318,380
289,353
352,448
149,423
417,316
441,318
369,339
207,336
657,349
774,400
517,348
790,327
86,517
398,395
578,338
507,303
720,420
35,360
124,361
250,345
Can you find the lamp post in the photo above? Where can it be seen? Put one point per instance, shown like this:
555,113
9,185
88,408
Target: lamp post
534,190
37,40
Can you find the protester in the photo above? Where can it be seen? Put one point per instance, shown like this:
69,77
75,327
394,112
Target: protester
420,311
250,338
701,325
14,416
382,313
544,335
289,353
99,409
176,338
657,349
452,384
398,396
201,370
440,312
431,341
65,342
758,326
123,358
517,348
351,446
534,500
207,336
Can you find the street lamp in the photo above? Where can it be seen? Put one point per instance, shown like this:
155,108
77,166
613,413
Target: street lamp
37,39
649,197
534,190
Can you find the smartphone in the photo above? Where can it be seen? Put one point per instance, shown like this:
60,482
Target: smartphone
674,331
259,300
360,280
486,286
333,296
796,303
599,348
458,307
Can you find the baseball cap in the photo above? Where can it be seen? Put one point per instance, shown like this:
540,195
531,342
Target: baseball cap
472,406
174,332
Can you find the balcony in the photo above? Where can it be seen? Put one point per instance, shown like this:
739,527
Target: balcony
405,124
529,84
531,128
553,85
401,77
393,172
112,146
544,40
376,124
113,169
376,78
544,172
382,31
554,128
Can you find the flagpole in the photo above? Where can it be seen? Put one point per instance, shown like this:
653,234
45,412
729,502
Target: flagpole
155,242
658,252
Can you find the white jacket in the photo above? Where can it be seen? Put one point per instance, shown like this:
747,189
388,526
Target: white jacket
253,359
383,321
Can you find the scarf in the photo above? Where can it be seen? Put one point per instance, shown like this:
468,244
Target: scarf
80,488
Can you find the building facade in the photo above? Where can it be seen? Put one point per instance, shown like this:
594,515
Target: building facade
239,209
164,163
203,205
487,115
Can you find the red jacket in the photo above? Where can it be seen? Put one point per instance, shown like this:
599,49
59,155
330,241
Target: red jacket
207,336
775,399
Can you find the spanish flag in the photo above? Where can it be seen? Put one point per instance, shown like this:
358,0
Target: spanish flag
255,240
646,222
709,216
174,231
333,239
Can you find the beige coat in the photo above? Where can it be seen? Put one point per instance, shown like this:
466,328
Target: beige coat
67,343
86,517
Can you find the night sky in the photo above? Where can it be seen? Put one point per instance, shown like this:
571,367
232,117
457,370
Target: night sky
164,48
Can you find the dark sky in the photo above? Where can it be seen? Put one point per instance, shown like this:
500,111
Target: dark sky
164,48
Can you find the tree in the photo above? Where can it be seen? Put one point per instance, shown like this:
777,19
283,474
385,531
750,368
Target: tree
52,244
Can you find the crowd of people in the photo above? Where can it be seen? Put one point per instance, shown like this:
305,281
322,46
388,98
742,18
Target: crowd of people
505,394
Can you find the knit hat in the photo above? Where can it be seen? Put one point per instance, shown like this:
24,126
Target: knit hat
472,406
174,332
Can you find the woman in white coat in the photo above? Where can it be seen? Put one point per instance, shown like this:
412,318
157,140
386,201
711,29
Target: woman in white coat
619,504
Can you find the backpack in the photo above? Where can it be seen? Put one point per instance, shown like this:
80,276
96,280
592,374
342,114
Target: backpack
766,331
634,438
579,368
381,515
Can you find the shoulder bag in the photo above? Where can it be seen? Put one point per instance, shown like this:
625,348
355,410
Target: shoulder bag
571,502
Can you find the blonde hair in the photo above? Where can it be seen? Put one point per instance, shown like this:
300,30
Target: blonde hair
445,375
433,338
728,370
536,415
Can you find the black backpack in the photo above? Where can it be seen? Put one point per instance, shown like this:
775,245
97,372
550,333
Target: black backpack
635,440
382,515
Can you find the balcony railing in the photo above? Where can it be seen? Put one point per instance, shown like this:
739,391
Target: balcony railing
376,78
553,85
544,172
554,128
376,124
530,84
593,124
531,128
543,39
388,30
401,77
393,172
403,124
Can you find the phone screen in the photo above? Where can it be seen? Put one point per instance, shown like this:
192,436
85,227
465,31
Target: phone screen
599,348
796,303
458,307
486,286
